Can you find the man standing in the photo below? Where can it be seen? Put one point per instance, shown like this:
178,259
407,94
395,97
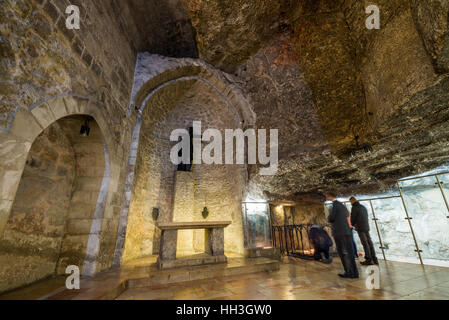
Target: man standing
359,219
342,237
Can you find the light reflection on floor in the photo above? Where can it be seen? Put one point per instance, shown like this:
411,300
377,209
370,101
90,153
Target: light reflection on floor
300,279
297,280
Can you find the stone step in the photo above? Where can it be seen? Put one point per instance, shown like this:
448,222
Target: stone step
235,266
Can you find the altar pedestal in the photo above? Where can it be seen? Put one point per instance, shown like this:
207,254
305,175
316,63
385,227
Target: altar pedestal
214,244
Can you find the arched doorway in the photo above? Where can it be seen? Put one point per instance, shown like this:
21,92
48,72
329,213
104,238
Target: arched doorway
52,215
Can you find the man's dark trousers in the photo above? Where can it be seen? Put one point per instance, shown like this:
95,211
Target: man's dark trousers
319,252
368,247
359,219
345,250
343,238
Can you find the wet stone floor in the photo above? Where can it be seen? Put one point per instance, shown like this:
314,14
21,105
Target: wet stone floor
310,280
296,280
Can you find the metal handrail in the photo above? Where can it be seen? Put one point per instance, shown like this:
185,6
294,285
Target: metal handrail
425,176
291,240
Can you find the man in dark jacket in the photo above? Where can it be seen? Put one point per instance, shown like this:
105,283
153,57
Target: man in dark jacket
342,237
359,219
321,243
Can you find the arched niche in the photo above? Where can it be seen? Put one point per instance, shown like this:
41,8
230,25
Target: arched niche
149,173
56,191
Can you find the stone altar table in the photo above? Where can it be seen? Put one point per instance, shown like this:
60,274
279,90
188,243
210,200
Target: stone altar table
214,244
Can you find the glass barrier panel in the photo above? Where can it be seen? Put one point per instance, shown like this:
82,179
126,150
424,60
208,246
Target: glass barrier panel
394,230
426,207
444,180
257,225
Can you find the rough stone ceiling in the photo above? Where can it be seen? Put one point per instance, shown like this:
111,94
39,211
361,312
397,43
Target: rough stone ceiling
161,27
333,88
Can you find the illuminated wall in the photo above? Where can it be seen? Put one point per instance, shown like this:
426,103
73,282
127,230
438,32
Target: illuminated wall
257,228
425,200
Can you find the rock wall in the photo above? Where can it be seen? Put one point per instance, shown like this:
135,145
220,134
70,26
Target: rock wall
298,214
342,96
277,215
30,247
393,63
432,23
41,58
56,207
309,214
48,72
160,27
221,26
90,170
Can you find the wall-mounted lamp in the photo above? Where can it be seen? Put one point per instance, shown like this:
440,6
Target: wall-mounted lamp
85,129
205,213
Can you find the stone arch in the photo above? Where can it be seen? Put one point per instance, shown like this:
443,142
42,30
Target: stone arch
16,142
154,74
